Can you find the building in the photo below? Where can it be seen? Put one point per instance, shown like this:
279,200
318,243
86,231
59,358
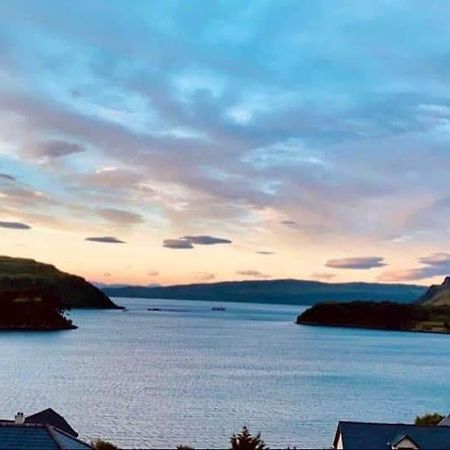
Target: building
18,434
51,417
392,436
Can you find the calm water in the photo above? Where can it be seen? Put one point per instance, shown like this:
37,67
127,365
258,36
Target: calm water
158,379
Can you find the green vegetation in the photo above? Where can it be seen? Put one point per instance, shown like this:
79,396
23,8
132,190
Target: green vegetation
32,310
245,441
429,419
383,315
100,444
21,275
437,295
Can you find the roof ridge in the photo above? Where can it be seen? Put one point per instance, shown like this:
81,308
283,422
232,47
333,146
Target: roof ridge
389,423
23,425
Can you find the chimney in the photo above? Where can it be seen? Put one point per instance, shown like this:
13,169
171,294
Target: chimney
19,418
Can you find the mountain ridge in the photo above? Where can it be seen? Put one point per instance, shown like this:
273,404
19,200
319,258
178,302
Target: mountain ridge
283,291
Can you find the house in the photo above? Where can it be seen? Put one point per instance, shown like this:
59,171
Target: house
391,436
51,417
20,435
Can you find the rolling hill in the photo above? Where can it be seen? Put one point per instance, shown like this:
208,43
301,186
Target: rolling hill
437,294
296,292
21,275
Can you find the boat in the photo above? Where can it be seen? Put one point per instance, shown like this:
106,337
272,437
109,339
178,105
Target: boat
218,308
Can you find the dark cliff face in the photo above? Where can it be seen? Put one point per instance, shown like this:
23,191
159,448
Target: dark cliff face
18,274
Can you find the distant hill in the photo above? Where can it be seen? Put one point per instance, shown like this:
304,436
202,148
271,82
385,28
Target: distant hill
437,294
295,292
20,274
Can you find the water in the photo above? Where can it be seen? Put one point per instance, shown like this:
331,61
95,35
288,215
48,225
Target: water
194,377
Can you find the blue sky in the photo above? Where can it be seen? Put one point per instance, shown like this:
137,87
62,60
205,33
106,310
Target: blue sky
305,139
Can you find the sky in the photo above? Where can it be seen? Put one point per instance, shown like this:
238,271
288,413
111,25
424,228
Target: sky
198,141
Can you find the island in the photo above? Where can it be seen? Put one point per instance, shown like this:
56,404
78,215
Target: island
32,310
21,276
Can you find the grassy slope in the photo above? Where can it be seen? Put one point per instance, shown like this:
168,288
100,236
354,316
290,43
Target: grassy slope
73,291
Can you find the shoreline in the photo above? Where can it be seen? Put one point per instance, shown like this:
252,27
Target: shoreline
399,330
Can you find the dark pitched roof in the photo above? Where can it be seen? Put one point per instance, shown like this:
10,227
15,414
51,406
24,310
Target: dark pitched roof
380,436
51,417
37,436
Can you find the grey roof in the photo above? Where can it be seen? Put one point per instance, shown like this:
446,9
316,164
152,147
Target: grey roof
445,422
51,417
37,436
380,436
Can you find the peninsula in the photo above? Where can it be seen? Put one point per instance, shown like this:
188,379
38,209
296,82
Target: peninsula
430,313
20,276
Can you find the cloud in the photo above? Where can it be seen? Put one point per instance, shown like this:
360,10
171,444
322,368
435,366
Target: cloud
187,242
361,263
15,225
326,276
436,264
264,252
206,240
247,133
253,274
54,149
177,244
105,240
152,273
8,177
120,217
204,276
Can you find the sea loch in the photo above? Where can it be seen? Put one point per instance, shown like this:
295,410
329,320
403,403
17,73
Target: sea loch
162,378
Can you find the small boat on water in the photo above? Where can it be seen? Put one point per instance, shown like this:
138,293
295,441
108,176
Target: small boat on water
218,308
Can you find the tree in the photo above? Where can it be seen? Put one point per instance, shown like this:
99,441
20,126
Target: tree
245,441
429,419
100,444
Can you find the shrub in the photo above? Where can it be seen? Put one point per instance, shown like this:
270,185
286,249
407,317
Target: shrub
429,419
245,441
100,444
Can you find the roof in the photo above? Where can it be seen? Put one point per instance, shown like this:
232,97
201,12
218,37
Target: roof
398,440
445,422
380,436
37,436
51,417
